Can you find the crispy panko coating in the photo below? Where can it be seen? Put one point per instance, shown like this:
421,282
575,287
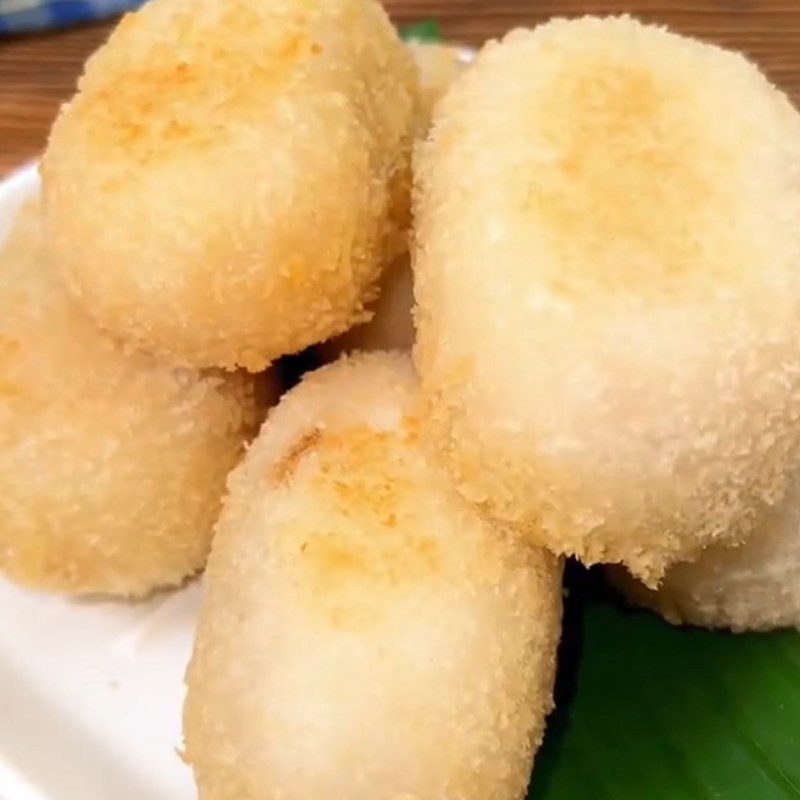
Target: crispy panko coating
392,325
752,587
365,634
607,276
112,465
231,177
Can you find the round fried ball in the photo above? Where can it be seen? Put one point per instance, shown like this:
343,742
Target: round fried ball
607,276
112,465
365,634
752,587
232,176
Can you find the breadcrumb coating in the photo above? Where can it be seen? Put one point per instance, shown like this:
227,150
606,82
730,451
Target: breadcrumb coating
607,282
112,465
231,176
365,634
391,326
752,587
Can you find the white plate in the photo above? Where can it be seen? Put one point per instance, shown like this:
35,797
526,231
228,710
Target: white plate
90,691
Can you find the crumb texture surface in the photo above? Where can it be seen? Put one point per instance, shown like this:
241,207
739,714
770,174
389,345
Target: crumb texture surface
606,273
754,586
365,634
112,464
231,177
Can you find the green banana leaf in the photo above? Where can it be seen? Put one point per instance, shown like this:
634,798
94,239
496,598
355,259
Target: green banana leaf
426,30
648,711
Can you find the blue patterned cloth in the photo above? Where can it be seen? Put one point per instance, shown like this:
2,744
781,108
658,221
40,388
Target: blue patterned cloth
17,16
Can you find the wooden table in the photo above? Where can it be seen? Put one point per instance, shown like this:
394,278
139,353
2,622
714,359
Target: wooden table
38,72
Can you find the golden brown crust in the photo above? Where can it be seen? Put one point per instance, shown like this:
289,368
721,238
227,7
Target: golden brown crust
112,465
232,177
606,280
365,633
